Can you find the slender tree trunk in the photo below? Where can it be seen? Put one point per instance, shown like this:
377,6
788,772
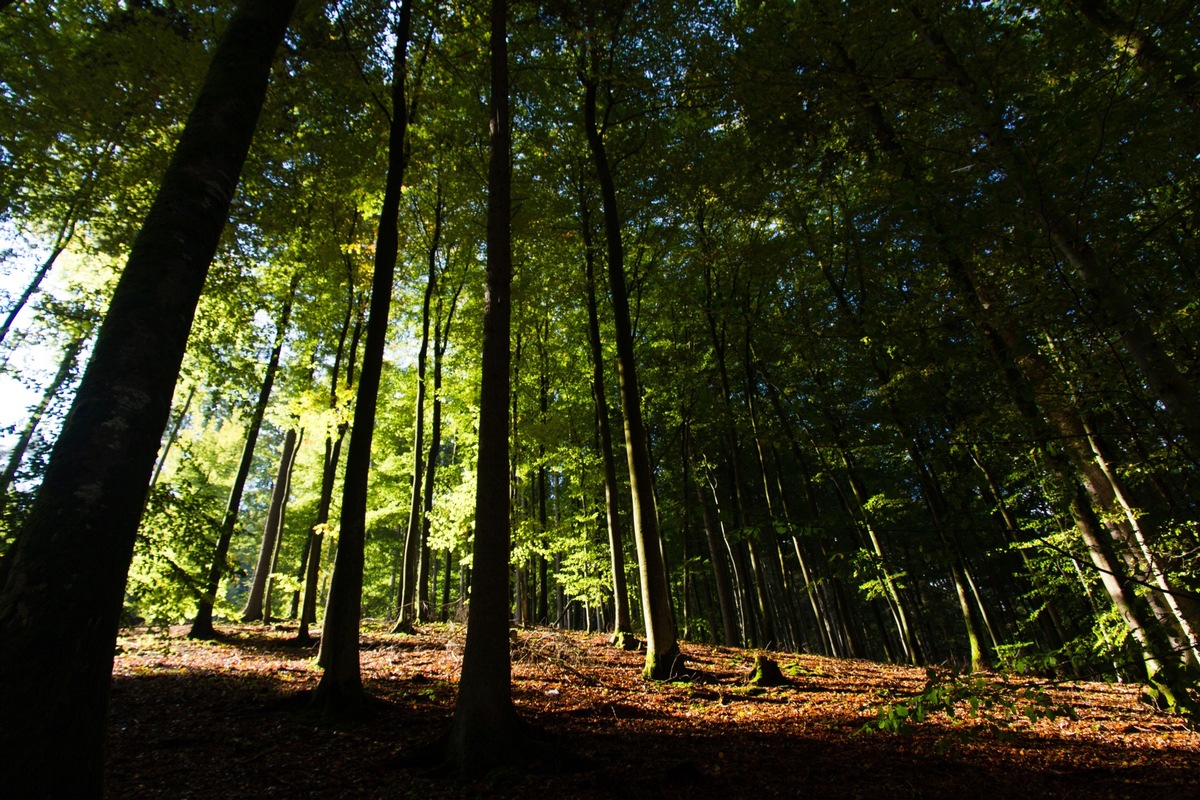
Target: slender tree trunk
663,658
444,611
486,732
66,366
173,436
441,336
340,691
310,559
61,240
269,593
253,612
1052,625
416,517
202,625
622,624
60,608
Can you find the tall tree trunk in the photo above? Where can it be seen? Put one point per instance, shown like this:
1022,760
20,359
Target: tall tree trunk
60,608
253,612
441,335
543,589
202,625
412,533
622,623
310,559
281,525
486,732
340,691
663,658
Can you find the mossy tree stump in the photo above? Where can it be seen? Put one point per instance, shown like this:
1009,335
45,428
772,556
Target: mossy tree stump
765,673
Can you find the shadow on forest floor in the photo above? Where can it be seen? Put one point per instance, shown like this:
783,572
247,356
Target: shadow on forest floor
221,719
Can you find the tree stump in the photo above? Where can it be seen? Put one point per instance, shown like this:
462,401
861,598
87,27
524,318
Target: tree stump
765,673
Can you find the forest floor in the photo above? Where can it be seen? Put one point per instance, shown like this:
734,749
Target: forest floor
224,719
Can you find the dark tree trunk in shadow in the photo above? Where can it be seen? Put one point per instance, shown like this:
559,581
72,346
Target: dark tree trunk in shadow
60,608
486,732
622,623
340,691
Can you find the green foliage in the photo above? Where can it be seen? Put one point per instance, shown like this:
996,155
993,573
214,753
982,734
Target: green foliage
868,567
995,702
1023,658
174,546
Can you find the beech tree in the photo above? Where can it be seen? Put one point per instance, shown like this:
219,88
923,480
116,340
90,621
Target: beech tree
340,691
486,732
900,301
57,659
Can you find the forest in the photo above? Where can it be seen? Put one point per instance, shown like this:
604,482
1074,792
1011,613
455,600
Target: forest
847,330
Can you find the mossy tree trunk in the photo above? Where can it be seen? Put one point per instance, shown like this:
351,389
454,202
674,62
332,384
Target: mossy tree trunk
663,658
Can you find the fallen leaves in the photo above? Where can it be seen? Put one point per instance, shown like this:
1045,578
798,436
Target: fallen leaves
222,719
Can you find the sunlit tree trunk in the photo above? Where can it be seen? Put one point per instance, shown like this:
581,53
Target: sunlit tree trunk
173,436
253,612
202,625
281,525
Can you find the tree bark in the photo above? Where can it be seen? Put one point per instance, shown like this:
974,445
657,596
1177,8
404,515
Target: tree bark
281,526
253,612
717,559
202,625
60,608
310,559
663,658
486,732
340,692
165,449
407,606
622,623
